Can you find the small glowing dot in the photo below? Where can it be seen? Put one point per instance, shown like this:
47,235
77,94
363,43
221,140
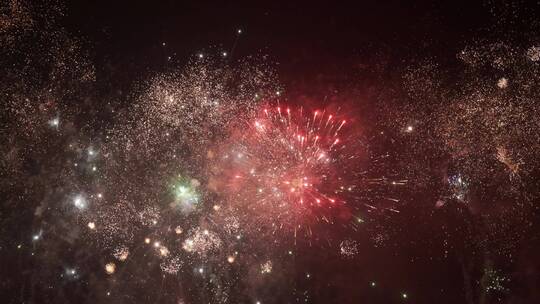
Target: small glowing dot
100,195
239,31
404,295
147,240
19,246
92,225
373,284
230,259
201,270
156,244
224,54
35,237
110,268
163,251
94,168
79,202
410,128
201,55
54,122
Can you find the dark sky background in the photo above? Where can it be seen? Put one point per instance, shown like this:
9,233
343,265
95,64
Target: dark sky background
309,40
353,52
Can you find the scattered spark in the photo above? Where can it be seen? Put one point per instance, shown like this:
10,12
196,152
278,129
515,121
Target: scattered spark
121,253
266,267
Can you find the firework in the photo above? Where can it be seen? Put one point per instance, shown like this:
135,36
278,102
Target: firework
286,168
185,194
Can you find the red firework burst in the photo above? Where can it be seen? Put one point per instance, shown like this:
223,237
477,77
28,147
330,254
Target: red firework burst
284,166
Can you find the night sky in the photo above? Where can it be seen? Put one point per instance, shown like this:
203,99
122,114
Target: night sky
245,152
